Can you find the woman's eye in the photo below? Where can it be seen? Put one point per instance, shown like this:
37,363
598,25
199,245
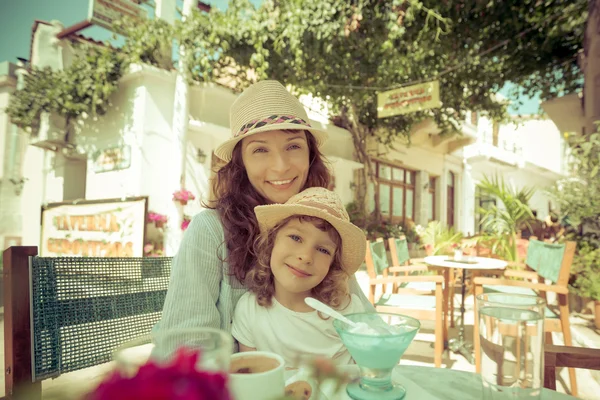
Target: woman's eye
259,150
295,238
324,251
294,147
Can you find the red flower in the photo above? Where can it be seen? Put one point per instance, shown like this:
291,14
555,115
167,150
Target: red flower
179,380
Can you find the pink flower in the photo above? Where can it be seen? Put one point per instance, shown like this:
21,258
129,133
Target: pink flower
179,380
184,224
183,195
156,217
148,248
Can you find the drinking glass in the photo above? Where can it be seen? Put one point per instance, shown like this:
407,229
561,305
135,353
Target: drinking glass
511,333
215,346
377,354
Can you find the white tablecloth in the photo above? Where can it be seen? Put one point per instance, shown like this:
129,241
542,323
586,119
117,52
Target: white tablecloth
479,263
428,383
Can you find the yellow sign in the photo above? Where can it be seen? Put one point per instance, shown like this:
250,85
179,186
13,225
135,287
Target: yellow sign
105,12
109,228
409,99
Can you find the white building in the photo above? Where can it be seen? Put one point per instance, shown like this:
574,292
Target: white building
529,152
432,179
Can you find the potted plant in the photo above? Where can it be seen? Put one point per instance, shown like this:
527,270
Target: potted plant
157,219
183,196
439,239
153,250
501,223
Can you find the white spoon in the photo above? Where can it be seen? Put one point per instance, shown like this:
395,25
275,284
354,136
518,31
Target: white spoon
325,309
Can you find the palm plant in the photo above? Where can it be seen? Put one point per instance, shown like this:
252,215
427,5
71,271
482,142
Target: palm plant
438,238
501,224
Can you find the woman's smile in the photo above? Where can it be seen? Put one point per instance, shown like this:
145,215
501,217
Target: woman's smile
282,184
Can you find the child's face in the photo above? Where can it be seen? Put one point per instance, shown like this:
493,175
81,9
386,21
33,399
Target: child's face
301,257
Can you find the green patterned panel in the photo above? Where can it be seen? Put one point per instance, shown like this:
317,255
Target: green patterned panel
379,254
402,251
85,307
545,258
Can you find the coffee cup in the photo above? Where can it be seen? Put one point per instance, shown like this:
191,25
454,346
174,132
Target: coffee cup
256,375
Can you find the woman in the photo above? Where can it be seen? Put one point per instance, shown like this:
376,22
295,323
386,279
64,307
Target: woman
273,155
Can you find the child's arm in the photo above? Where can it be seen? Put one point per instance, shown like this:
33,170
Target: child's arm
243,347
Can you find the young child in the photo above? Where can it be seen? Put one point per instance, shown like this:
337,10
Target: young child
307,248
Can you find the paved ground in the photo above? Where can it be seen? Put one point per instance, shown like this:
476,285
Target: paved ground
419,353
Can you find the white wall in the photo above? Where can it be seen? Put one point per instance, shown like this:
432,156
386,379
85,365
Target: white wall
543,144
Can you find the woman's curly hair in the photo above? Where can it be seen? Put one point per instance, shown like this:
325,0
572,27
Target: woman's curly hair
333,290
236,199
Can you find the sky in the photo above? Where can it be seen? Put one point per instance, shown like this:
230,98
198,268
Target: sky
17,18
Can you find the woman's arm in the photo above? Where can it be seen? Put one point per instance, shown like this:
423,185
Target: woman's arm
195,281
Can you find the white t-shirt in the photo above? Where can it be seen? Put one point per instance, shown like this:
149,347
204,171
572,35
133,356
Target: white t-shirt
289,333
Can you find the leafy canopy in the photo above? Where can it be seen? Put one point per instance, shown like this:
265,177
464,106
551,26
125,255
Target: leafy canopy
347,51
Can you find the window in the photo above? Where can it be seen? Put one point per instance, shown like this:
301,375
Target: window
431,199
395,192
450,192
495,134
474,118
482,201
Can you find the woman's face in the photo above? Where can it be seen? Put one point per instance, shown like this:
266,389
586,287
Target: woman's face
276,163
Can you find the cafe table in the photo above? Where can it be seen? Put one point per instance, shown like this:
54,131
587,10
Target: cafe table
429,383
460,345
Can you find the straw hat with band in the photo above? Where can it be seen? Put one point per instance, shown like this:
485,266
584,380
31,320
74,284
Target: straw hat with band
324,204
265,106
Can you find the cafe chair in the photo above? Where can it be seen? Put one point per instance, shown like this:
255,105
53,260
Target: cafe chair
569,357
544,262
400,257
407,295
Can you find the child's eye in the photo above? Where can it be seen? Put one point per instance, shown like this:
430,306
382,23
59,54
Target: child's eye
295,238
324,251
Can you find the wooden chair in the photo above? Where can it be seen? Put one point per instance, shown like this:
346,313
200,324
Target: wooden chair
544,261
400,257
570,357
408,297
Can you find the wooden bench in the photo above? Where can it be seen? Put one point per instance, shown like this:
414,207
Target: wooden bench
63,314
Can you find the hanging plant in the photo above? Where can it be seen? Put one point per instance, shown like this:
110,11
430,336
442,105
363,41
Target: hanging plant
27,105
149,42
80,90
157,219
183,196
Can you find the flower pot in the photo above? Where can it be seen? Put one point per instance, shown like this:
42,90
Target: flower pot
458,255
159,224
597,313
183,202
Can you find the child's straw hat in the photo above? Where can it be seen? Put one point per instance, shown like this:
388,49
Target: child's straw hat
324,204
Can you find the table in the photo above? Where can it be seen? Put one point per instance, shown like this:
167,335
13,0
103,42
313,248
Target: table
460,345
429,383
